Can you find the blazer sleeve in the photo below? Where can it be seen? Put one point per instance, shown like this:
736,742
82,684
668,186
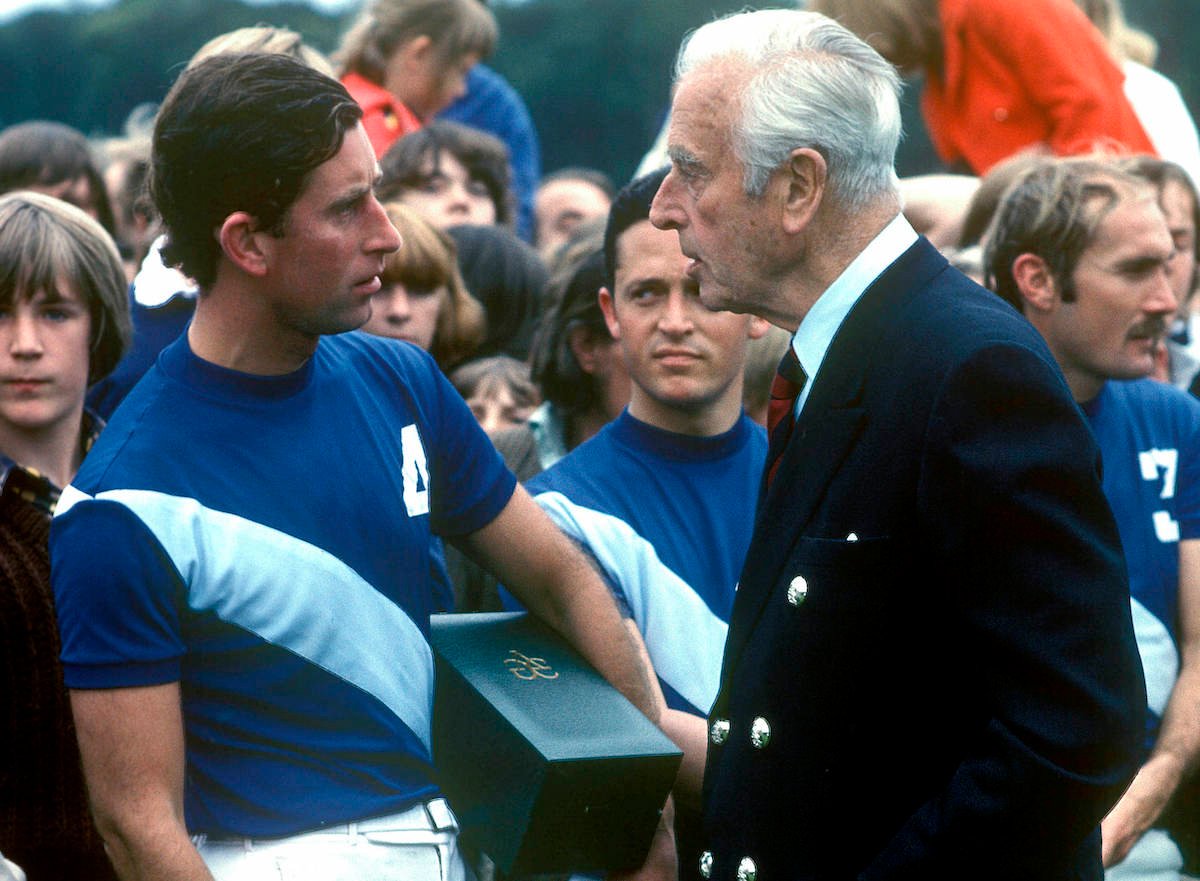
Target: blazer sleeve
1009,497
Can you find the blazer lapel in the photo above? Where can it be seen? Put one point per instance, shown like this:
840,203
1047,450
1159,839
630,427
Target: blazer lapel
830,423
813,455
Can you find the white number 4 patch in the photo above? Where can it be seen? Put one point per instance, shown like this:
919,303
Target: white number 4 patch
415,472
1153,462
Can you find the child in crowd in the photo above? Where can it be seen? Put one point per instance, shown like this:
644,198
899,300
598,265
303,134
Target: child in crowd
498,390
64,323
126,165
565,199
452,174
423,299
405,60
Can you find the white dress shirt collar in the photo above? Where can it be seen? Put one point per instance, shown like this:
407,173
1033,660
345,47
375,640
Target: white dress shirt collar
816,331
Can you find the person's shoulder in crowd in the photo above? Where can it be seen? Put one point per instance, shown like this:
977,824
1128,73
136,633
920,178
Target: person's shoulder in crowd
1160,402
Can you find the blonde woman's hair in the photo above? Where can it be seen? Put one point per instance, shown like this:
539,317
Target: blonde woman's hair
428,260
908,33
268,40
455,27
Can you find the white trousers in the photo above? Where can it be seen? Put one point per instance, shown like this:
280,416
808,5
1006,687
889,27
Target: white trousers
420,844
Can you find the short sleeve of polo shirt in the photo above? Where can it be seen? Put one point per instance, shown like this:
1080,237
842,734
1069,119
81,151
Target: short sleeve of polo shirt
118,598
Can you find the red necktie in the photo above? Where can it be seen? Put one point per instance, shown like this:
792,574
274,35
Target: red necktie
785,388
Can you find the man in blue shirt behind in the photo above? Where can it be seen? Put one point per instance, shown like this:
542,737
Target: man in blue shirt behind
1082,249
663,497
241,567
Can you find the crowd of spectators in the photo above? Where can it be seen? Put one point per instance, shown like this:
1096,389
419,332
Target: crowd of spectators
524,290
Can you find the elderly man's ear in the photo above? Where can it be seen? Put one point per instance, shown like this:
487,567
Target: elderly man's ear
805,176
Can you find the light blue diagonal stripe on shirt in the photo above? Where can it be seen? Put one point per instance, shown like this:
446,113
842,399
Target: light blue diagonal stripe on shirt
1160,657
292,594
683,636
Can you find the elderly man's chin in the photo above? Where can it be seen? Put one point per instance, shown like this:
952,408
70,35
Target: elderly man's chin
717,298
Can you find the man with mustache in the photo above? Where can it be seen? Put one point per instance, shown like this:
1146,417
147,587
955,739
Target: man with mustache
663,497
1084,250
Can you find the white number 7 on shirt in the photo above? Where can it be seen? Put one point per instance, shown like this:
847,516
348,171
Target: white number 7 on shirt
1151,462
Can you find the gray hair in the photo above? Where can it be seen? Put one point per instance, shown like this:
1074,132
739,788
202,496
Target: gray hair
813,84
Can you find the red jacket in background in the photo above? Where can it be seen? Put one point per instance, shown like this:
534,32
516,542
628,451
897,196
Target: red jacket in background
385,118
1017,75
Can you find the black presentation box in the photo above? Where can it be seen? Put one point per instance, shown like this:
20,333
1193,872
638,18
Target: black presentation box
548,767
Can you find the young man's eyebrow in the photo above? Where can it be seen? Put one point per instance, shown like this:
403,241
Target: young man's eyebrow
1141,263
352,196
644,281
50,295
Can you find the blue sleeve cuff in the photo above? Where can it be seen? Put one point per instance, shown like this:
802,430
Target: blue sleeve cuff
121,675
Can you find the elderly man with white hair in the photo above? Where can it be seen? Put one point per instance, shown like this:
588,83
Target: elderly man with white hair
930,671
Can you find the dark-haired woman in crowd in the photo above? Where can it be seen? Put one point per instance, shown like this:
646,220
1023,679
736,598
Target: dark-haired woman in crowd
509,280
576,365
452,174
498,390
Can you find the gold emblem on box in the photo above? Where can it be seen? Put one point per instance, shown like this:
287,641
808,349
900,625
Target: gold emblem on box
524,667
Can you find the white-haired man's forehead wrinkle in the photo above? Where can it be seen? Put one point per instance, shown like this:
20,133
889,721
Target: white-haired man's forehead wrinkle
715,113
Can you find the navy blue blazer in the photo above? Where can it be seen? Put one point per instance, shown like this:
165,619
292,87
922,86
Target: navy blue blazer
931,671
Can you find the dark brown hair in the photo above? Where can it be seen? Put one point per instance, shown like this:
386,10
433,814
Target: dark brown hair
46,153
411,161
240,133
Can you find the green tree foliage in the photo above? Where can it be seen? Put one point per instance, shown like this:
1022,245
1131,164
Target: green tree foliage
1176,28
90,69
595,73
